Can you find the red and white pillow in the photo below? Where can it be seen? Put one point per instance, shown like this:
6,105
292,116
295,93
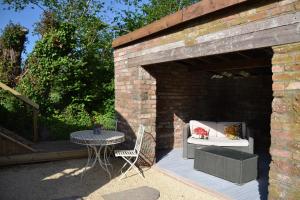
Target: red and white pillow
200,129
200,132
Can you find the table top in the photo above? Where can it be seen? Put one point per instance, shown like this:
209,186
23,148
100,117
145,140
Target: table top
107,137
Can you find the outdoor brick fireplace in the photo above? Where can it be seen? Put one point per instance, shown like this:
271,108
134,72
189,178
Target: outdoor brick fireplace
231,60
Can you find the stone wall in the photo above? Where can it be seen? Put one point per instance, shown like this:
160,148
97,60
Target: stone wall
285,123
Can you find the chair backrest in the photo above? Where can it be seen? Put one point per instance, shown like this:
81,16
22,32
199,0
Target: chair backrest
139,139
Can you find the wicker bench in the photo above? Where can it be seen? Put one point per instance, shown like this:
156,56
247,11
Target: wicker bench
235,166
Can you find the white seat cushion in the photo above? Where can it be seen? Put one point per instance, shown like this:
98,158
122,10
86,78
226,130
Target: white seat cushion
219,141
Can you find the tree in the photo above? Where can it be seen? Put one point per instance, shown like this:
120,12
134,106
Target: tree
93,45
47,23
54,70
12,41
70,71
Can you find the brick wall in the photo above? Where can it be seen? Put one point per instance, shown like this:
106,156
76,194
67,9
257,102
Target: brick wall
135,103
135,87
285,123
178,92
184,94
244,99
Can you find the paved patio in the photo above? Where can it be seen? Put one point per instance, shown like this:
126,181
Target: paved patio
173,164
60,180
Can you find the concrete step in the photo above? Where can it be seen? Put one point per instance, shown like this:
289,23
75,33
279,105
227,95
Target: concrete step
47,151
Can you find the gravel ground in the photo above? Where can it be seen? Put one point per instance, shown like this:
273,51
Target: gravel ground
61,180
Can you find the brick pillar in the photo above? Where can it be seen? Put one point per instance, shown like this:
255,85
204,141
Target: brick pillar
147,89
285,123
135,101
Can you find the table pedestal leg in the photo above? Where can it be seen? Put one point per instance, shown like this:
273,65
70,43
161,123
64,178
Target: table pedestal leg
101,155
90,156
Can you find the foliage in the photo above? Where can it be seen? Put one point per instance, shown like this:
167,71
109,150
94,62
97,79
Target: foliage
12,110
142,14
107,118
47,23
55,73
67,80
73,118
70,71
13,37
12,42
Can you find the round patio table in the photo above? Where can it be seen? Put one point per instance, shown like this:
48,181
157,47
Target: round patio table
97,146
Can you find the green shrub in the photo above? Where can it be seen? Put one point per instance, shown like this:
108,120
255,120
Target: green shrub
73,118
15,115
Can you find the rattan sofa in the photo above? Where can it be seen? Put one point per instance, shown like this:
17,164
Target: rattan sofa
189,148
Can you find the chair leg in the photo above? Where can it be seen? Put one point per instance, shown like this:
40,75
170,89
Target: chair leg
132,165
139,171
125,164
123,174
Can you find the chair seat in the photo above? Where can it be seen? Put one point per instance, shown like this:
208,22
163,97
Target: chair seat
131,153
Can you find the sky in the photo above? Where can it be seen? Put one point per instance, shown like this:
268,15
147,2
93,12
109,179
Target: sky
28,17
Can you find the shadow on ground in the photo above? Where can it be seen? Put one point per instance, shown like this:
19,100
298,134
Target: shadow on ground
52,180
264,160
